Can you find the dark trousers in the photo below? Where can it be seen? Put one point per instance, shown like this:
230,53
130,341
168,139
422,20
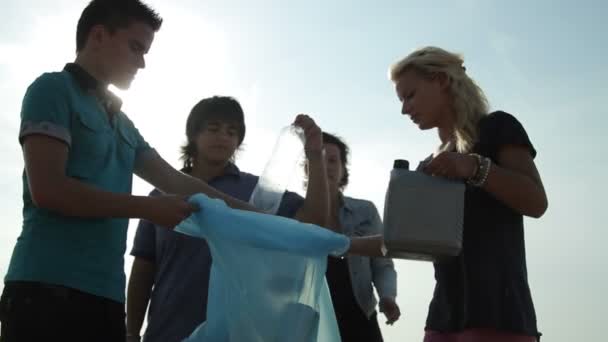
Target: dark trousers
358,328
352,321
31,311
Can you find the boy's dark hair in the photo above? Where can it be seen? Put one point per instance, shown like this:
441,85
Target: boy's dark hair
344,153
220,108
114,14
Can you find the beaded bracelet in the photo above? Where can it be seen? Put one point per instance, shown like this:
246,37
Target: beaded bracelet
481,174
478,163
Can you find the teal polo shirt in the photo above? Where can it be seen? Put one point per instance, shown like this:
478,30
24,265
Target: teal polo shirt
82,253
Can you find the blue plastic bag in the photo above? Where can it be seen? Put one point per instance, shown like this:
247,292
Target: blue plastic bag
267,279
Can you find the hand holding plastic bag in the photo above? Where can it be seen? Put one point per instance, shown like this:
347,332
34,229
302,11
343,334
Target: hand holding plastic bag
267,280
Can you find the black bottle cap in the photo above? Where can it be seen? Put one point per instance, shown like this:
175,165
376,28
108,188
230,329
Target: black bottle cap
401,164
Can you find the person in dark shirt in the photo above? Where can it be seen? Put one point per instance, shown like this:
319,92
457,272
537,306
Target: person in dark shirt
483,293
353,278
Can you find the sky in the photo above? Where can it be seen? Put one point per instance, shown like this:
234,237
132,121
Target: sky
542,61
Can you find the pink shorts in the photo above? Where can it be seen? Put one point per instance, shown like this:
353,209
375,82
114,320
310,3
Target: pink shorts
477,335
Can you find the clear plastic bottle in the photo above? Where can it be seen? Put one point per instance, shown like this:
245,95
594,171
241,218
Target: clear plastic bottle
288,151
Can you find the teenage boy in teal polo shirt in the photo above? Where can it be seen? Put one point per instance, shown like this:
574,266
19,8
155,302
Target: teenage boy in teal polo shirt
66,278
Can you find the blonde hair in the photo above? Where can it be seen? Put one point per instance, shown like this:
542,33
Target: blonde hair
470,103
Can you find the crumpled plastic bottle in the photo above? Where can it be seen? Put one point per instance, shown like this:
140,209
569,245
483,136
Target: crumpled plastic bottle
288,151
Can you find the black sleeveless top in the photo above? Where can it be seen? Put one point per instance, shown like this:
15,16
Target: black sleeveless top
486,286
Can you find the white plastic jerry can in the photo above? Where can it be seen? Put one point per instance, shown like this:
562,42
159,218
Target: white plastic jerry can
423,215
